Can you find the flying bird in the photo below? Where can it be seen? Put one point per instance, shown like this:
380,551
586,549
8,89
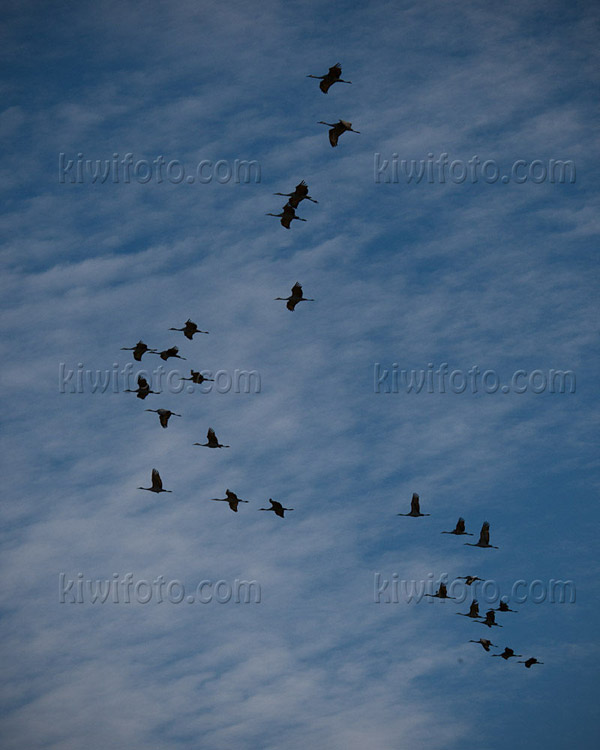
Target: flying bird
484,538
189,329
277,508
337,128
138,350
441,593
473,611
287,215
172,352
507,653
164,415
485,643
213,441
156,483
459,528
490,619
231,498
332,76
197,377
295,297
503,607
469,579
143,388
528,662
300,193
415,508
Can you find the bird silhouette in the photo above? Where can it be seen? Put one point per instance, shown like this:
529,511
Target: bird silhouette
197,377
164,415
415,508
138,350
485,643
231,498
213,441
156,483
332,76
484,538
337,128
469,579
295,297
287,215
277,508
490,619
473,611
507,653
171,352
441,593
528,662
300,193
189,329
459,529
503,607
143,388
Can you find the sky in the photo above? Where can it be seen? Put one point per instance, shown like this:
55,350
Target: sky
424,275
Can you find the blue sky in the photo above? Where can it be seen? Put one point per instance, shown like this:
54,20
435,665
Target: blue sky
500,276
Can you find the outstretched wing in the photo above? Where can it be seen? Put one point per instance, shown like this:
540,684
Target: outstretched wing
164,419
484,534
212,438
156,480
414,504
142,382
460,526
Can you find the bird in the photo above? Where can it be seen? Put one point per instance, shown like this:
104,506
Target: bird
300,193
287,215
490,619
164,415
503,607
138,350
197,377
484,538
459,528
331,77
295,297
507,653
156,483
213,441
528,662
485,643
172,352
231,498
473,610
189,329
143,388
337,128
277,508
469,579
415,508
441,593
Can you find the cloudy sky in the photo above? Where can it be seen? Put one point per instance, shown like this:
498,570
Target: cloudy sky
476,272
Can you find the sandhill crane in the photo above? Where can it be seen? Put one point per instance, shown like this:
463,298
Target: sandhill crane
473,610
507,653
503,607
415,508
485,643
459,529
156,483
213,441
287,215
164,415
143,388
441,593
300,193
469,579
189,329
295,297
484,538
231,498
490,619
530,661
332,76
277,508
138,350
198,378
337,128
171,352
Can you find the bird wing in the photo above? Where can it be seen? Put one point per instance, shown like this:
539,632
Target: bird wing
211,437
142,382
460,526
335,70
326,84
334,134
414,504
297,290
164,419
156,480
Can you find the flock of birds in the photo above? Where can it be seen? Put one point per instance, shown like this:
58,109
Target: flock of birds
190,329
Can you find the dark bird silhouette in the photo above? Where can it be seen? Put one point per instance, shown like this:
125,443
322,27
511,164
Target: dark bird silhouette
213,441
138,350
287,215
459,530
189,329
507,653
332,76
197,377
415,508
231,498
469,579
300,193
485,643
164,415
172,352
337,128
295,297
503,607
473,611
277,508
441,593
143,388
490,619
156,483
528,662
484,538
